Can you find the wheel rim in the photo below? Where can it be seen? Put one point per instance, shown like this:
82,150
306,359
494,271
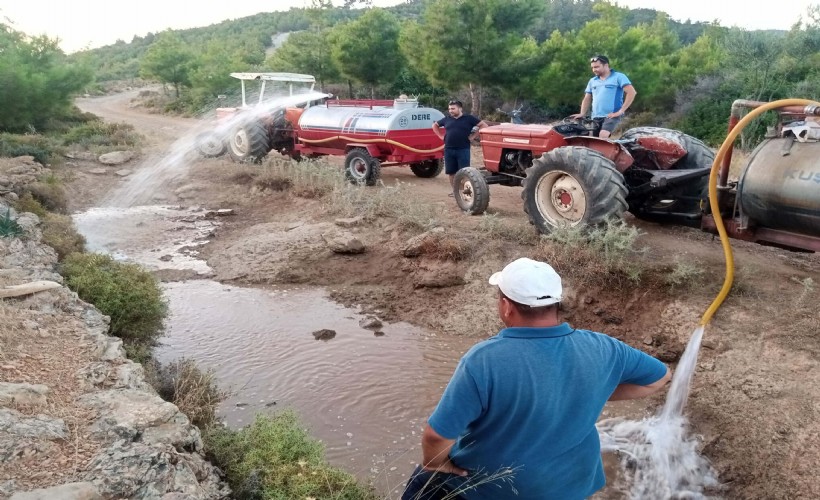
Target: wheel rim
211,145
466,193
560,198
358,169
239,142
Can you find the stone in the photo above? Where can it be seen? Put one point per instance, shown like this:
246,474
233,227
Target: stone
126,413
222,212
344,243
370,323
37,427
12,394
116,157
415,245
350,221
123,172
69,491
648,340
28,221
324,334
98,171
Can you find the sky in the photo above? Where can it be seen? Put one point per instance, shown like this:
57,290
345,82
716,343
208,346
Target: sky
80,24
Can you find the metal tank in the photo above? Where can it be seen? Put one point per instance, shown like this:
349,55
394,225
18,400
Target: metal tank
780,186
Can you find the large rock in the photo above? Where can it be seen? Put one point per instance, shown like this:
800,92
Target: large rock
126,413
343,242
22,394
415,245
116,157
70,491
23,436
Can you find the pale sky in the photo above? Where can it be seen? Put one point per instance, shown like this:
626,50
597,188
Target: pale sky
93,23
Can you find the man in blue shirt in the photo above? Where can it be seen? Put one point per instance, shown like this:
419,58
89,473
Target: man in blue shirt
459,130
517,419
610,93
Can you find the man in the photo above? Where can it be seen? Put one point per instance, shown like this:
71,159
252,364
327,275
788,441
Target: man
610,93
459,130
517,419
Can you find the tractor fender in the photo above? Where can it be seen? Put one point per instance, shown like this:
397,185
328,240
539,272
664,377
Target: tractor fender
614,151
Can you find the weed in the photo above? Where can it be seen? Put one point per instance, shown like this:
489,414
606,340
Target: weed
275,457
808,288
9,228
27,203
60,234
683,275
494,227
128,294
49,194
386,201
193,390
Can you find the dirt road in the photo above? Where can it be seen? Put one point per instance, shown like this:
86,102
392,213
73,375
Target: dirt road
756,392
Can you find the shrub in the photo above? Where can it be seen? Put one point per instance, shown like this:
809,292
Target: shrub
194,391
9,228
128,294
276,458
60,234
40,147
494,227
50,193
99,133
683,275
27,203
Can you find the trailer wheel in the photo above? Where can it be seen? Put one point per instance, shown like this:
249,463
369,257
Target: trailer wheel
428,169
249,142
210,145
573,185
471,191
361,168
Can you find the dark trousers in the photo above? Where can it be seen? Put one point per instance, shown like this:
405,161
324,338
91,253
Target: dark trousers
426,485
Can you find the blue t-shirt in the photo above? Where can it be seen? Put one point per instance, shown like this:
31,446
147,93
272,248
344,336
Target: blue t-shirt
607,95
527,400
457,130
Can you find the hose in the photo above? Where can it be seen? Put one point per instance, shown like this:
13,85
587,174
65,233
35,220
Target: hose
387,141
713,201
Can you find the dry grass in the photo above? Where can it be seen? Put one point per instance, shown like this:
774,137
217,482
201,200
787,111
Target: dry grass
494,227
11,331
60,234
443,247
193,390
395,201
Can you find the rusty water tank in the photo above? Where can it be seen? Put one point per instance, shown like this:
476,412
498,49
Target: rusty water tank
780,186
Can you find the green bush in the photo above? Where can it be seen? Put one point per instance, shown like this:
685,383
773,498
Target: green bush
275,458
128,294
40,147
99,133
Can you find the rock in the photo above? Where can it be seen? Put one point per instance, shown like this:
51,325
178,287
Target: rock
70,491
344,243
370,323
648,340
294,225
37,427
7,488
22,394
4,181
11,196
350,221
415,245
378,333
28,288
81,155
123,172
116,157
28,221
589,300
324,334
127,413
98,171
222,212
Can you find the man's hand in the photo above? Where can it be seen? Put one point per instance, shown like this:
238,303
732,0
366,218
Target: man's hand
615,114
576,116
436,453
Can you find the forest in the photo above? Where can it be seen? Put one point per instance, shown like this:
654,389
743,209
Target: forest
490,53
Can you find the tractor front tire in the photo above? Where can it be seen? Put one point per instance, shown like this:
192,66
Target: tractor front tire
573,185
361,168
210,145
249,143
428,169
471,191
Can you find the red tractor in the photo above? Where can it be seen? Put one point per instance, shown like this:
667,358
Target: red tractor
570,176
370,134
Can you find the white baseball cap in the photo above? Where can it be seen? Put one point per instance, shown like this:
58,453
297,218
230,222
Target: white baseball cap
529,282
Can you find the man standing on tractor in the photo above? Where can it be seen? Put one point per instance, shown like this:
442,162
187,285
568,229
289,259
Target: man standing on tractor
610,92
517,419
459,130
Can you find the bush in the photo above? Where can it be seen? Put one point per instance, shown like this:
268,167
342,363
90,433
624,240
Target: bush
40,147
60,234
99,133
275,458
49,193
128,294
194,391
9,228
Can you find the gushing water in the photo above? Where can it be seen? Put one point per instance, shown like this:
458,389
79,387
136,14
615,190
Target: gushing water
168,168
660,459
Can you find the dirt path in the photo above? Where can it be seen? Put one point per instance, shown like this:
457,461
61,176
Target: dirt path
756,391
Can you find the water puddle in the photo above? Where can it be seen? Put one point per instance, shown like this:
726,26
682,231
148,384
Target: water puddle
366,393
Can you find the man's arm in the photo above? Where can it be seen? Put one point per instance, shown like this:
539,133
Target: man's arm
632,391
585,103
480,125
437,131
436,453
629,96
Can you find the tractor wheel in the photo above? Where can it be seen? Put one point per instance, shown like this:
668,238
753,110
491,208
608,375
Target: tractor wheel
210,145
698,154
428,169
573,185
361,168
471,191
249,142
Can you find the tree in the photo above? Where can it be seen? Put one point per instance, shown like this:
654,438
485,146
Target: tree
306,52
367,49
169,60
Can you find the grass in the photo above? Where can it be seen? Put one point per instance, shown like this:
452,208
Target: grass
275,458
442,247
494,227
96,134
194,391
125,292
683,275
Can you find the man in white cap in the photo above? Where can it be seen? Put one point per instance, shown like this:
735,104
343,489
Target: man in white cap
517,419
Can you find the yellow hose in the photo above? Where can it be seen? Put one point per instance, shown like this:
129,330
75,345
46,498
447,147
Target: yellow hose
713,202
387,141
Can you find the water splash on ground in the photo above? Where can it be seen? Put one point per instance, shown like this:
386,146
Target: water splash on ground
661,460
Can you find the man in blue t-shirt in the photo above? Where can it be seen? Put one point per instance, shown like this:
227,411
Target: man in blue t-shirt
517,419
459,130
610,92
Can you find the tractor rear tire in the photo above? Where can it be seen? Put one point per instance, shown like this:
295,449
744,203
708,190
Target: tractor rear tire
361,168
249,143
428,168
471,191
698,154
571,186
210,145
